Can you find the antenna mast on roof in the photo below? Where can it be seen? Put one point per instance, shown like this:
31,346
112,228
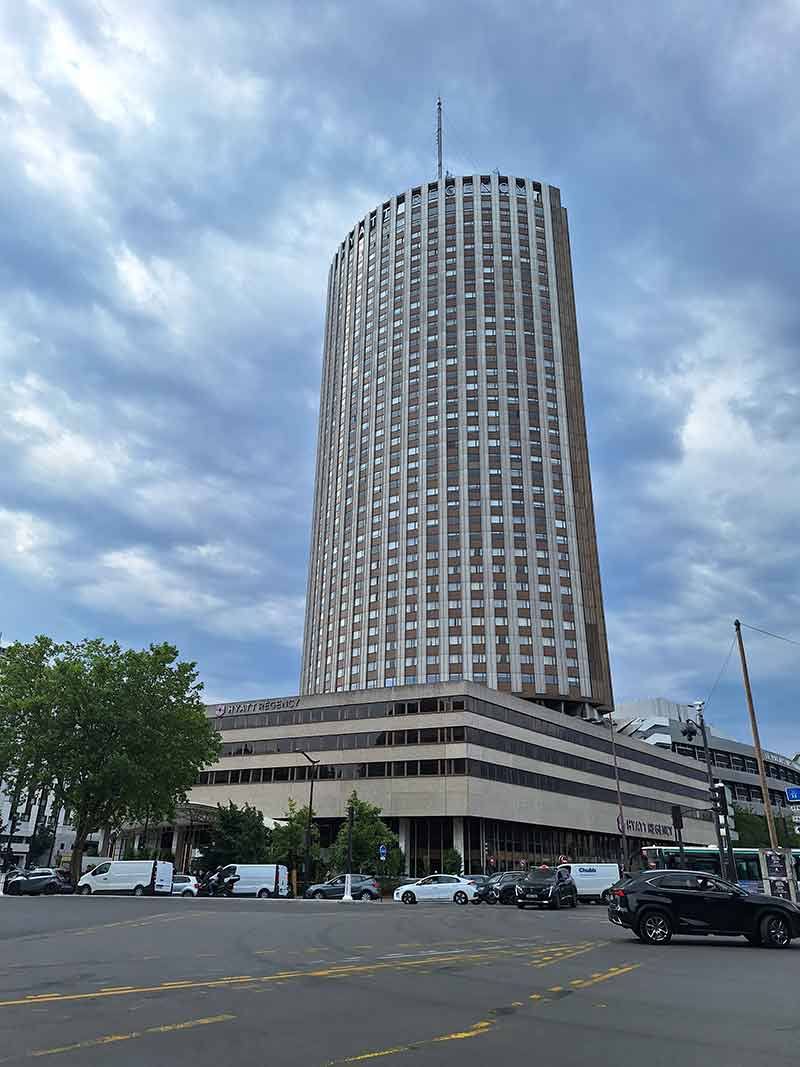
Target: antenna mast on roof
439,137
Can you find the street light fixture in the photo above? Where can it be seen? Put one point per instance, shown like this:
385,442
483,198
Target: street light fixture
312,774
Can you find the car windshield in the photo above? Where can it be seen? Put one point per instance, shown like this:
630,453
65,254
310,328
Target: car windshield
540,878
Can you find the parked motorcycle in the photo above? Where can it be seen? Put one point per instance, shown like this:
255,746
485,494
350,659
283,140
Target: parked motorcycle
217,886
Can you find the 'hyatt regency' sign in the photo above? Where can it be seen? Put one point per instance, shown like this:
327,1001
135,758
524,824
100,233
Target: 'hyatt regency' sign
648,829
251,706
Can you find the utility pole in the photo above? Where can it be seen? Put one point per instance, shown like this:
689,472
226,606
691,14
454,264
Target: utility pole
773,837
621,816
439,138
351,815
311,774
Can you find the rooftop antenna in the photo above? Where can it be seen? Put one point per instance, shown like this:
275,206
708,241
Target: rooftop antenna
439,137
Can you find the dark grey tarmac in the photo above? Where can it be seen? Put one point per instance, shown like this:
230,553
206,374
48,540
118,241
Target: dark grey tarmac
156,981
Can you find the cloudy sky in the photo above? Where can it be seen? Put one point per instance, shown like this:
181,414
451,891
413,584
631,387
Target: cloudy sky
174,178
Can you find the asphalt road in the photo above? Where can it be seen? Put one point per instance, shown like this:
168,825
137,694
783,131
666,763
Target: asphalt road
86,981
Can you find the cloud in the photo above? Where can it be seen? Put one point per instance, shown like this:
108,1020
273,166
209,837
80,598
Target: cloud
175,182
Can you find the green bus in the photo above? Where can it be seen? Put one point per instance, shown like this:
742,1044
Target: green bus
706,858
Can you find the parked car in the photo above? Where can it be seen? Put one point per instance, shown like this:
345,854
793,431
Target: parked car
42,880
437,887
593,880
547,887
499,889
128,876
362,887
657,904
184,885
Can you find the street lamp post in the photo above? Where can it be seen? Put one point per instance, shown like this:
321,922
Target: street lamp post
620,808
690,729
312,774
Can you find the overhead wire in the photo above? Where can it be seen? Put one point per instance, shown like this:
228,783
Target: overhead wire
780,637
721,672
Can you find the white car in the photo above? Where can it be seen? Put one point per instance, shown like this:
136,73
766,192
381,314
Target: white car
437,887
184,885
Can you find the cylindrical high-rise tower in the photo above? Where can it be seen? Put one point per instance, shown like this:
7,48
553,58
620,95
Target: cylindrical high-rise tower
453,533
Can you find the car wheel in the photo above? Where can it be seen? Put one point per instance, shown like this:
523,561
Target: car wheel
187,893
461,897
319,895
475,900
139,891
49,890
606,897
262,894
491,900
366,895
775,931
85,890
409,898
655,928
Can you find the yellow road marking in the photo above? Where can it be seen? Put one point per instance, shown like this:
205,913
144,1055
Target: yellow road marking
545,962
333,971
485,1024
110,1039
614,972
457,1035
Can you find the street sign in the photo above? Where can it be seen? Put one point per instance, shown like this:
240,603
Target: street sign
793,794
382,852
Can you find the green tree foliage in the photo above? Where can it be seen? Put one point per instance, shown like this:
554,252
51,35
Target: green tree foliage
754,833
289,838
451,861
116,734
237,836
369,833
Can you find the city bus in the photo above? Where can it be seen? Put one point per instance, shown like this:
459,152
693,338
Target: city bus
706,858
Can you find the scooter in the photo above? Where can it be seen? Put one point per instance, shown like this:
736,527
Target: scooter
217,887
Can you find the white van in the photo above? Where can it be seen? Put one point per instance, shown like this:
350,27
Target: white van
593,879
257,879
128,876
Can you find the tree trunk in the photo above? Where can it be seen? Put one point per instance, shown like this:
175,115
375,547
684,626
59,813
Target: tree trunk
8,855
81,833
37,822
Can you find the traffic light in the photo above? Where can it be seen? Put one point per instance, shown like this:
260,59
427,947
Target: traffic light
719,798
689,731
677,817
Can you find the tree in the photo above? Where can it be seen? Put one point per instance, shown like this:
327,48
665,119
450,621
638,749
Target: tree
289,838
369,833
23,683
117,734
753,832
451,861
237,836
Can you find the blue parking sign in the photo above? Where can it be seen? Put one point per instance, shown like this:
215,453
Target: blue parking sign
382,852
793,794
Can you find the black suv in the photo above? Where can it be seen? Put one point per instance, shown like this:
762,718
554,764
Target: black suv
658,904
547,887
499,889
